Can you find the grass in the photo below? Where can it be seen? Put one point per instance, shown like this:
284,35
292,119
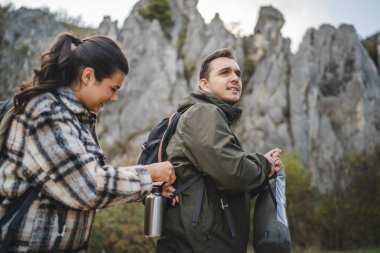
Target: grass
377,250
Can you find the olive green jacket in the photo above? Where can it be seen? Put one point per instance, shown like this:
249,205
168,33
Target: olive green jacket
204,142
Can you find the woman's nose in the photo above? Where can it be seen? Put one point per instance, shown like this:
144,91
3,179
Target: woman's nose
114,97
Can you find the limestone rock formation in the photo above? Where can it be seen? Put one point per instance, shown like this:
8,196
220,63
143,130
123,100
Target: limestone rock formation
335,100
25,34
108,28
265,123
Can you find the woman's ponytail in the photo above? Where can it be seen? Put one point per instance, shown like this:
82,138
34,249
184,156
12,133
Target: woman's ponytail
56,70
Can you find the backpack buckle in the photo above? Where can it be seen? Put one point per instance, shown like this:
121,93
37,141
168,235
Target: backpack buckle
61,234
223,204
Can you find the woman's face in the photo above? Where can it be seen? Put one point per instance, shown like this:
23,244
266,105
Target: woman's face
94,94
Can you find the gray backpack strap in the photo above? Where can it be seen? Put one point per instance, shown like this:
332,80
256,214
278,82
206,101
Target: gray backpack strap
229,218
198,202
186,185
16,212
6,117
198,198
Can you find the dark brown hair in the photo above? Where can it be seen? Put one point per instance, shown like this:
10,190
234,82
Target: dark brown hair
205,69
64,62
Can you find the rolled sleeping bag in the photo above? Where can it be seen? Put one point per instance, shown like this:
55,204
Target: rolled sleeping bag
270,224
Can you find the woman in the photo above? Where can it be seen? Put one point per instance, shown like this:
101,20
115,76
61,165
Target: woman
52,155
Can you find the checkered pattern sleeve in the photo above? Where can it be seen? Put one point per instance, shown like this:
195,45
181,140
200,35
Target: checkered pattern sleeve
61,157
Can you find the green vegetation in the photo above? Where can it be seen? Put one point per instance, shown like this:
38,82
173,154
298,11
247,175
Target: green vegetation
348,217
249,68
335,251
371,47
63,17
249,64
120,229
182,38
24,49
300,200
190,67
6,8
160,10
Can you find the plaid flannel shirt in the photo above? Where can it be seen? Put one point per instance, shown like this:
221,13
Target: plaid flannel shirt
53,144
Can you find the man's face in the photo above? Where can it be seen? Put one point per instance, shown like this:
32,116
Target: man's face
224,80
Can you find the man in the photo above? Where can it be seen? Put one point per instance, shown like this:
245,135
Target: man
204,144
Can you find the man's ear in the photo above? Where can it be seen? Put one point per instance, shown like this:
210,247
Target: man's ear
87,75
203,84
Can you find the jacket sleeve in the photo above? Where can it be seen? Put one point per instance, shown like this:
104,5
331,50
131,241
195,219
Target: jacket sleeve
210,142
56,159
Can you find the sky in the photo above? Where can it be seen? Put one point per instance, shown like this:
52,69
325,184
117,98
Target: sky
299,15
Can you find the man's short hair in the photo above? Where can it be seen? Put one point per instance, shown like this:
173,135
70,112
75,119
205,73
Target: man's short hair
205,70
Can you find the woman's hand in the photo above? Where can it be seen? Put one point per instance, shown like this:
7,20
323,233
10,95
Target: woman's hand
162,172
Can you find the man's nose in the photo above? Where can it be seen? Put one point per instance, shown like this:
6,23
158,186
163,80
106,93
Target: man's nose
235,78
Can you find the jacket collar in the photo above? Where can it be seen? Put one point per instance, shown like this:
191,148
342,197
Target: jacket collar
232,113
72,103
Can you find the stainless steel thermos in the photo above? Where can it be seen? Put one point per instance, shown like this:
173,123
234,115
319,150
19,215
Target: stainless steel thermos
154,212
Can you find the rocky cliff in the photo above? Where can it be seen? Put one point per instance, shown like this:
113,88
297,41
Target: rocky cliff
323,102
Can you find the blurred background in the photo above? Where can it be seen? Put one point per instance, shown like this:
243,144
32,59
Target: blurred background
311,87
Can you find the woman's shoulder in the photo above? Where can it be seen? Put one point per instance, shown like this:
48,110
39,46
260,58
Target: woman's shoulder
43,104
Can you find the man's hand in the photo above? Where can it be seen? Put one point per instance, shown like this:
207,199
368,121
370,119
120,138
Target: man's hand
168,191
274,157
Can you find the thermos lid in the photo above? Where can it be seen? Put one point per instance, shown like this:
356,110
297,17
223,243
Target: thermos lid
157,189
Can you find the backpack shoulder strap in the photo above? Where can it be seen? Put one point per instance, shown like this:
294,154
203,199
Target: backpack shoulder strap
5,106
272,194
17,211
170,130
6,117
170,122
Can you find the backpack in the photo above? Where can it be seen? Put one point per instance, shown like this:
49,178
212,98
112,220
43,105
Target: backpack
270,224
154,150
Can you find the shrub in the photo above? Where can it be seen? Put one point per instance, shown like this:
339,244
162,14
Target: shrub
371,47
300,201
160,10
346,218
120,230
